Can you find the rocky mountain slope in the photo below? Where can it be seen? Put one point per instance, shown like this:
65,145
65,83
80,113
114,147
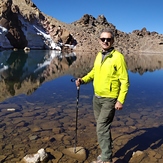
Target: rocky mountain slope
22,25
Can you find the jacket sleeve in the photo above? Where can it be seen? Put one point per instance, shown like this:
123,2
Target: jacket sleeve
123,78
89,77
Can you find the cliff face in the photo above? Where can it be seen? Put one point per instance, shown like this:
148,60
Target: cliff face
10,21
28,27
24,25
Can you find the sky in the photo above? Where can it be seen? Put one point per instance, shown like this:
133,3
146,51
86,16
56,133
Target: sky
126,15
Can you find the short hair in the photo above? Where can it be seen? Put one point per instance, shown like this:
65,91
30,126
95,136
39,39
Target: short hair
107,31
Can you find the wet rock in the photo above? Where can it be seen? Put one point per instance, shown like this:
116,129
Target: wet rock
36,128
59,137
67,140
79,154
52,112
28,114
48,139
135,115
56,154
41,155
33,137
8,146
57,130
158,156
2,158
138,156
46,126
1,136
21,124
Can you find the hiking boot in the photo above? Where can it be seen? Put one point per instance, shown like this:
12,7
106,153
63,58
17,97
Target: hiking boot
99,160
98,157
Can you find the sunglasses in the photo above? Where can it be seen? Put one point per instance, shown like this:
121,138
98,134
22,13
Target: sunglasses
105,39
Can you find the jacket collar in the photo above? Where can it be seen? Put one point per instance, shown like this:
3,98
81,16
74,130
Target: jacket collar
108,51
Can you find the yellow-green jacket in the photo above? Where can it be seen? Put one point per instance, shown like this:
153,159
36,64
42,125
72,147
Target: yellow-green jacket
110,77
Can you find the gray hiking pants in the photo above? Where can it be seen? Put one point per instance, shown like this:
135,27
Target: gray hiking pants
104,111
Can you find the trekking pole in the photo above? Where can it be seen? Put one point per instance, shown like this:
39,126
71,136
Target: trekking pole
76,125
76,120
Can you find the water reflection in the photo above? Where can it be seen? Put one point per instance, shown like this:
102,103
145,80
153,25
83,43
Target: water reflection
23,73
13,72
144,62
19,69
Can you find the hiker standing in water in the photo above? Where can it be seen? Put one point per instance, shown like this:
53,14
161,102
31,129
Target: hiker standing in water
111,82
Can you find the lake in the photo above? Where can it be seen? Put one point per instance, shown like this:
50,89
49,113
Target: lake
38,104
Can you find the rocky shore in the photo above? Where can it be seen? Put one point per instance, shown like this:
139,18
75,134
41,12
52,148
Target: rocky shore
33,126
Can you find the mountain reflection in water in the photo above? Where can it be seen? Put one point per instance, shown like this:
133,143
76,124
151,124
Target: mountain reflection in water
23,73
38,86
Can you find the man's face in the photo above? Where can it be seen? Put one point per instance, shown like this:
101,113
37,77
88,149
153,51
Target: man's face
106,40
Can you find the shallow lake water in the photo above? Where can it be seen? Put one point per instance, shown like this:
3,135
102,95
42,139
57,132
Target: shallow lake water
38,106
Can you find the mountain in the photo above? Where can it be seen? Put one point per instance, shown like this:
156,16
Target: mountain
23,25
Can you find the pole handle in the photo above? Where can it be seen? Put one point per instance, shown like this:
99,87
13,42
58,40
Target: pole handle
73,79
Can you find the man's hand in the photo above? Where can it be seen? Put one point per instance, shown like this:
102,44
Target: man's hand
78,82
118,106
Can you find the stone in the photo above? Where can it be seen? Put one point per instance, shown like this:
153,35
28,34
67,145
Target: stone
137,153
33,137
138,156
79,154
2,158
36,128
57,154
34,158
41,155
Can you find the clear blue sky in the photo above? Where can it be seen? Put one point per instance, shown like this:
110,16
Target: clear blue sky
126,15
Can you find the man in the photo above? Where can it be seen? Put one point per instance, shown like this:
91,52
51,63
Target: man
110,81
